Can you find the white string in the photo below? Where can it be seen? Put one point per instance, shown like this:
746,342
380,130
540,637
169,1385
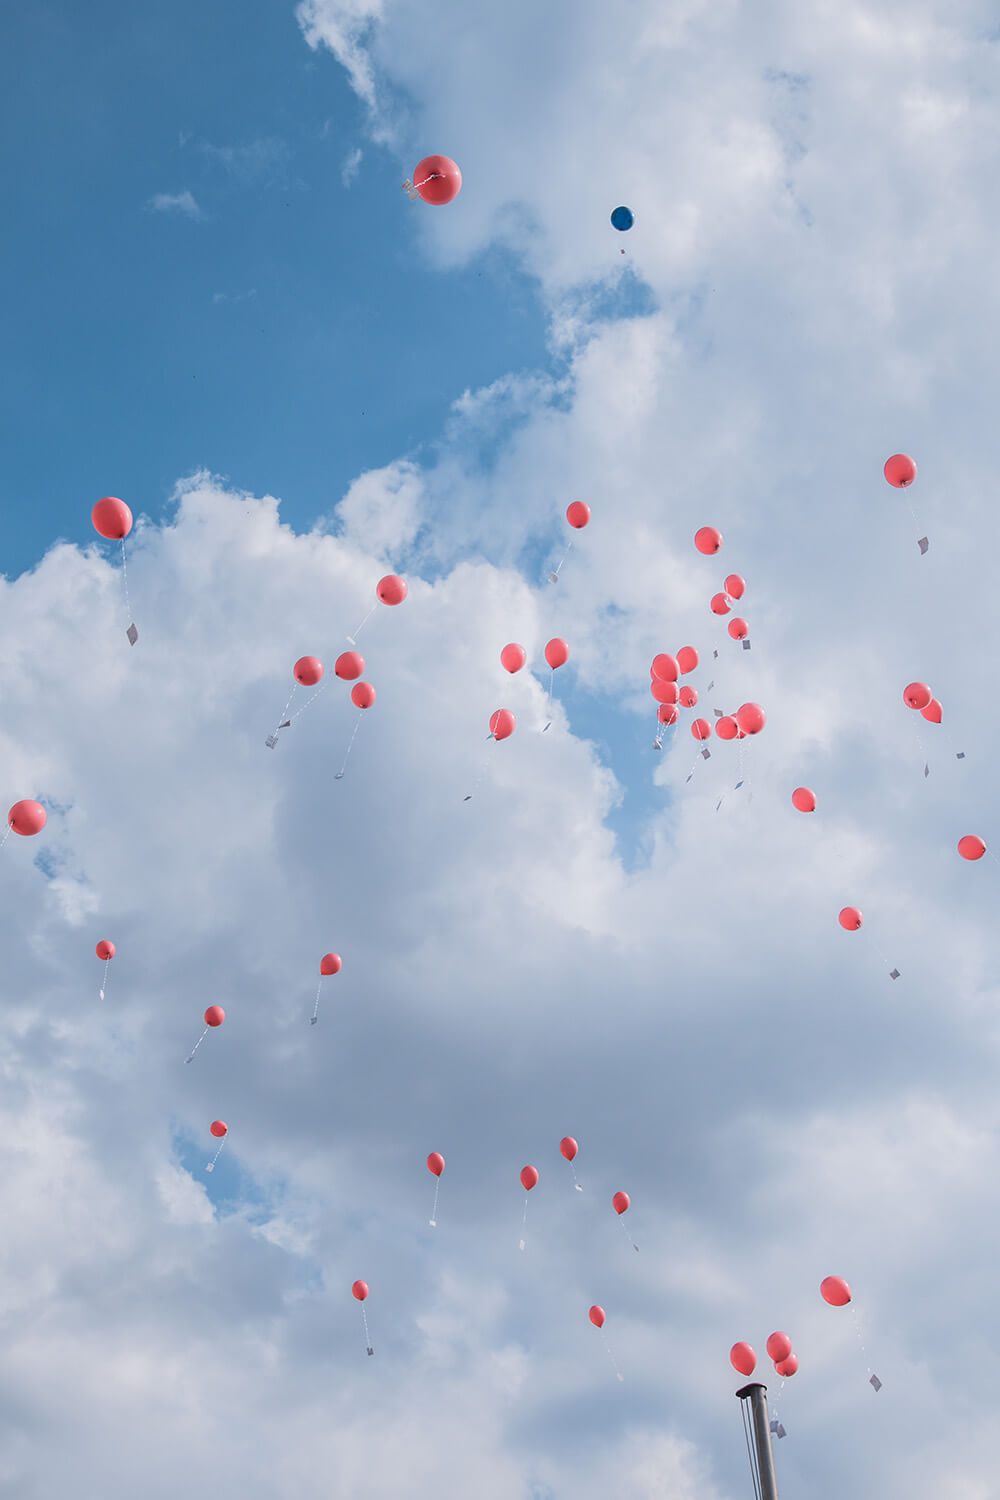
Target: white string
7,834
354,638
340,774
104,981
554,576
197,1045
315,1014
524,1219
434,1210
614,1362
128,607
364,1324
210,1166
308,700
621,1220
548,704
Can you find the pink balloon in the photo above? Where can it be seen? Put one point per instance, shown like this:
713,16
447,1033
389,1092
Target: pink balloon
787,1367
726,727
27,817
663,692
578,514
437,179
688,696
779,1347
105,948
687,659
666,667
529,1176
667,713
218,1128
330,963
214,1015
751,718
738,628
743,1359
916,695
834,1289
804,799
620,1202
900,470
391,589
360,1290
735,586
502,724
701,729
513,657
932,713
435,1163
349,665
568,1147
850,919
971,846
112,518
596,1316
556,652
362,695
708,540
720,604
308,670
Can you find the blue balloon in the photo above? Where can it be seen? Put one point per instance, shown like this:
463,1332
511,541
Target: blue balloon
623,218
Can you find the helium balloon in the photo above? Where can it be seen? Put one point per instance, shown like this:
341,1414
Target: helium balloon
835,1290
214,1015
620,1202
708,540
437,179
666,667
787,1367
513,657
105,948
701,729
900,470
112,518
667,713
391,589
804,799
720,604
362,695
360,1290
850,919
529,1176
27,817
596,1316
932,713
738,628
688,697
435,1163
622,218
726,727
568,1147
308,670
502,724
743,1359
687,659
735,586
971,846
916,695
556,652
751,718
218,1128
330,963
578,514
663,692
779,1347
349,665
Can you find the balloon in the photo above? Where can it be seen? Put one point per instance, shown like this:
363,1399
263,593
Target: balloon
620,1202
596,1316
751,718
804,799
349,665
437,179
850,919
720,604
27,817
502,724
701,729
360,1290
556,652
834,1289
779,1347
391,589
916,695
529,1176
362,695
708,540
214,1015
688,697
435,1163
105,948
726,727
622,218
568,1147
112,518
218,1128
667,713
735,586
738,628
971,846
787,1366
932,713
578,514
900,470
687,659
513,657
664,692
665,667
330,963
308,670
743,1359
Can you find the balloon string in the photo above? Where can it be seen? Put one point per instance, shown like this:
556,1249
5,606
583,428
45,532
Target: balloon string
196,1046
128,607
315,1014
104,981
6,836
307,702
524,1219
284,712
576,1182
923,752
893,972
434,1210
614,1362
354,638
873,1379
479,779
548,701
364,1324
210,1166
625,1232
340,774
554,576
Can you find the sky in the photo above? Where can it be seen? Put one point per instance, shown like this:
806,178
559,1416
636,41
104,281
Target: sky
220,306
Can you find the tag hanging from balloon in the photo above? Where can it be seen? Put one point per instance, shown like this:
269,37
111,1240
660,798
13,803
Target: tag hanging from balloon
220,1130
308,671
214,1016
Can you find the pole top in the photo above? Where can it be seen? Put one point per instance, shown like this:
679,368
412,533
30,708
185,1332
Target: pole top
748,1390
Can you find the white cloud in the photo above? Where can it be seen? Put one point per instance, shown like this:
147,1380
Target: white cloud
175,203
351,166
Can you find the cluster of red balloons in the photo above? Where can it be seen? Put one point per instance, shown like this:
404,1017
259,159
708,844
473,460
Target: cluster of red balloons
918,695
513,656
743,1357
721,604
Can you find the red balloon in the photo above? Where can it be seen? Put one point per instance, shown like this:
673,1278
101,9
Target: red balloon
556,652
596,1316
105,948
529,1176
688,697
804,799
932,713
743,1359
667,713
513,657
971,846
726,727
916,695
308,670
391,589
349,665
502,724
663,692
112,518
218,1128
779,1347
362,695
738,628
665,667
568,1147
850,919
578,514
900,470
834,1289
620,1202
751,718
437,179
330,963
701,729
360,1290
720,604
435,1163
787,1367
735,586
708,540
214,1015
687,659
27,817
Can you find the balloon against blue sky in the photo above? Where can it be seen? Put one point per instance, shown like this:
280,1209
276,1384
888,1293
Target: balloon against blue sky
221,308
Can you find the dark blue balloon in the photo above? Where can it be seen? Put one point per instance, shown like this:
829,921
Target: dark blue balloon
623,218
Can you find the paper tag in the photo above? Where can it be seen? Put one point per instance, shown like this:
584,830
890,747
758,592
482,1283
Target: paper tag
133,635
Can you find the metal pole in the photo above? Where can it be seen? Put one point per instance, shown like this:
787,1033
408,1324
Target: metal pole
757,1396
